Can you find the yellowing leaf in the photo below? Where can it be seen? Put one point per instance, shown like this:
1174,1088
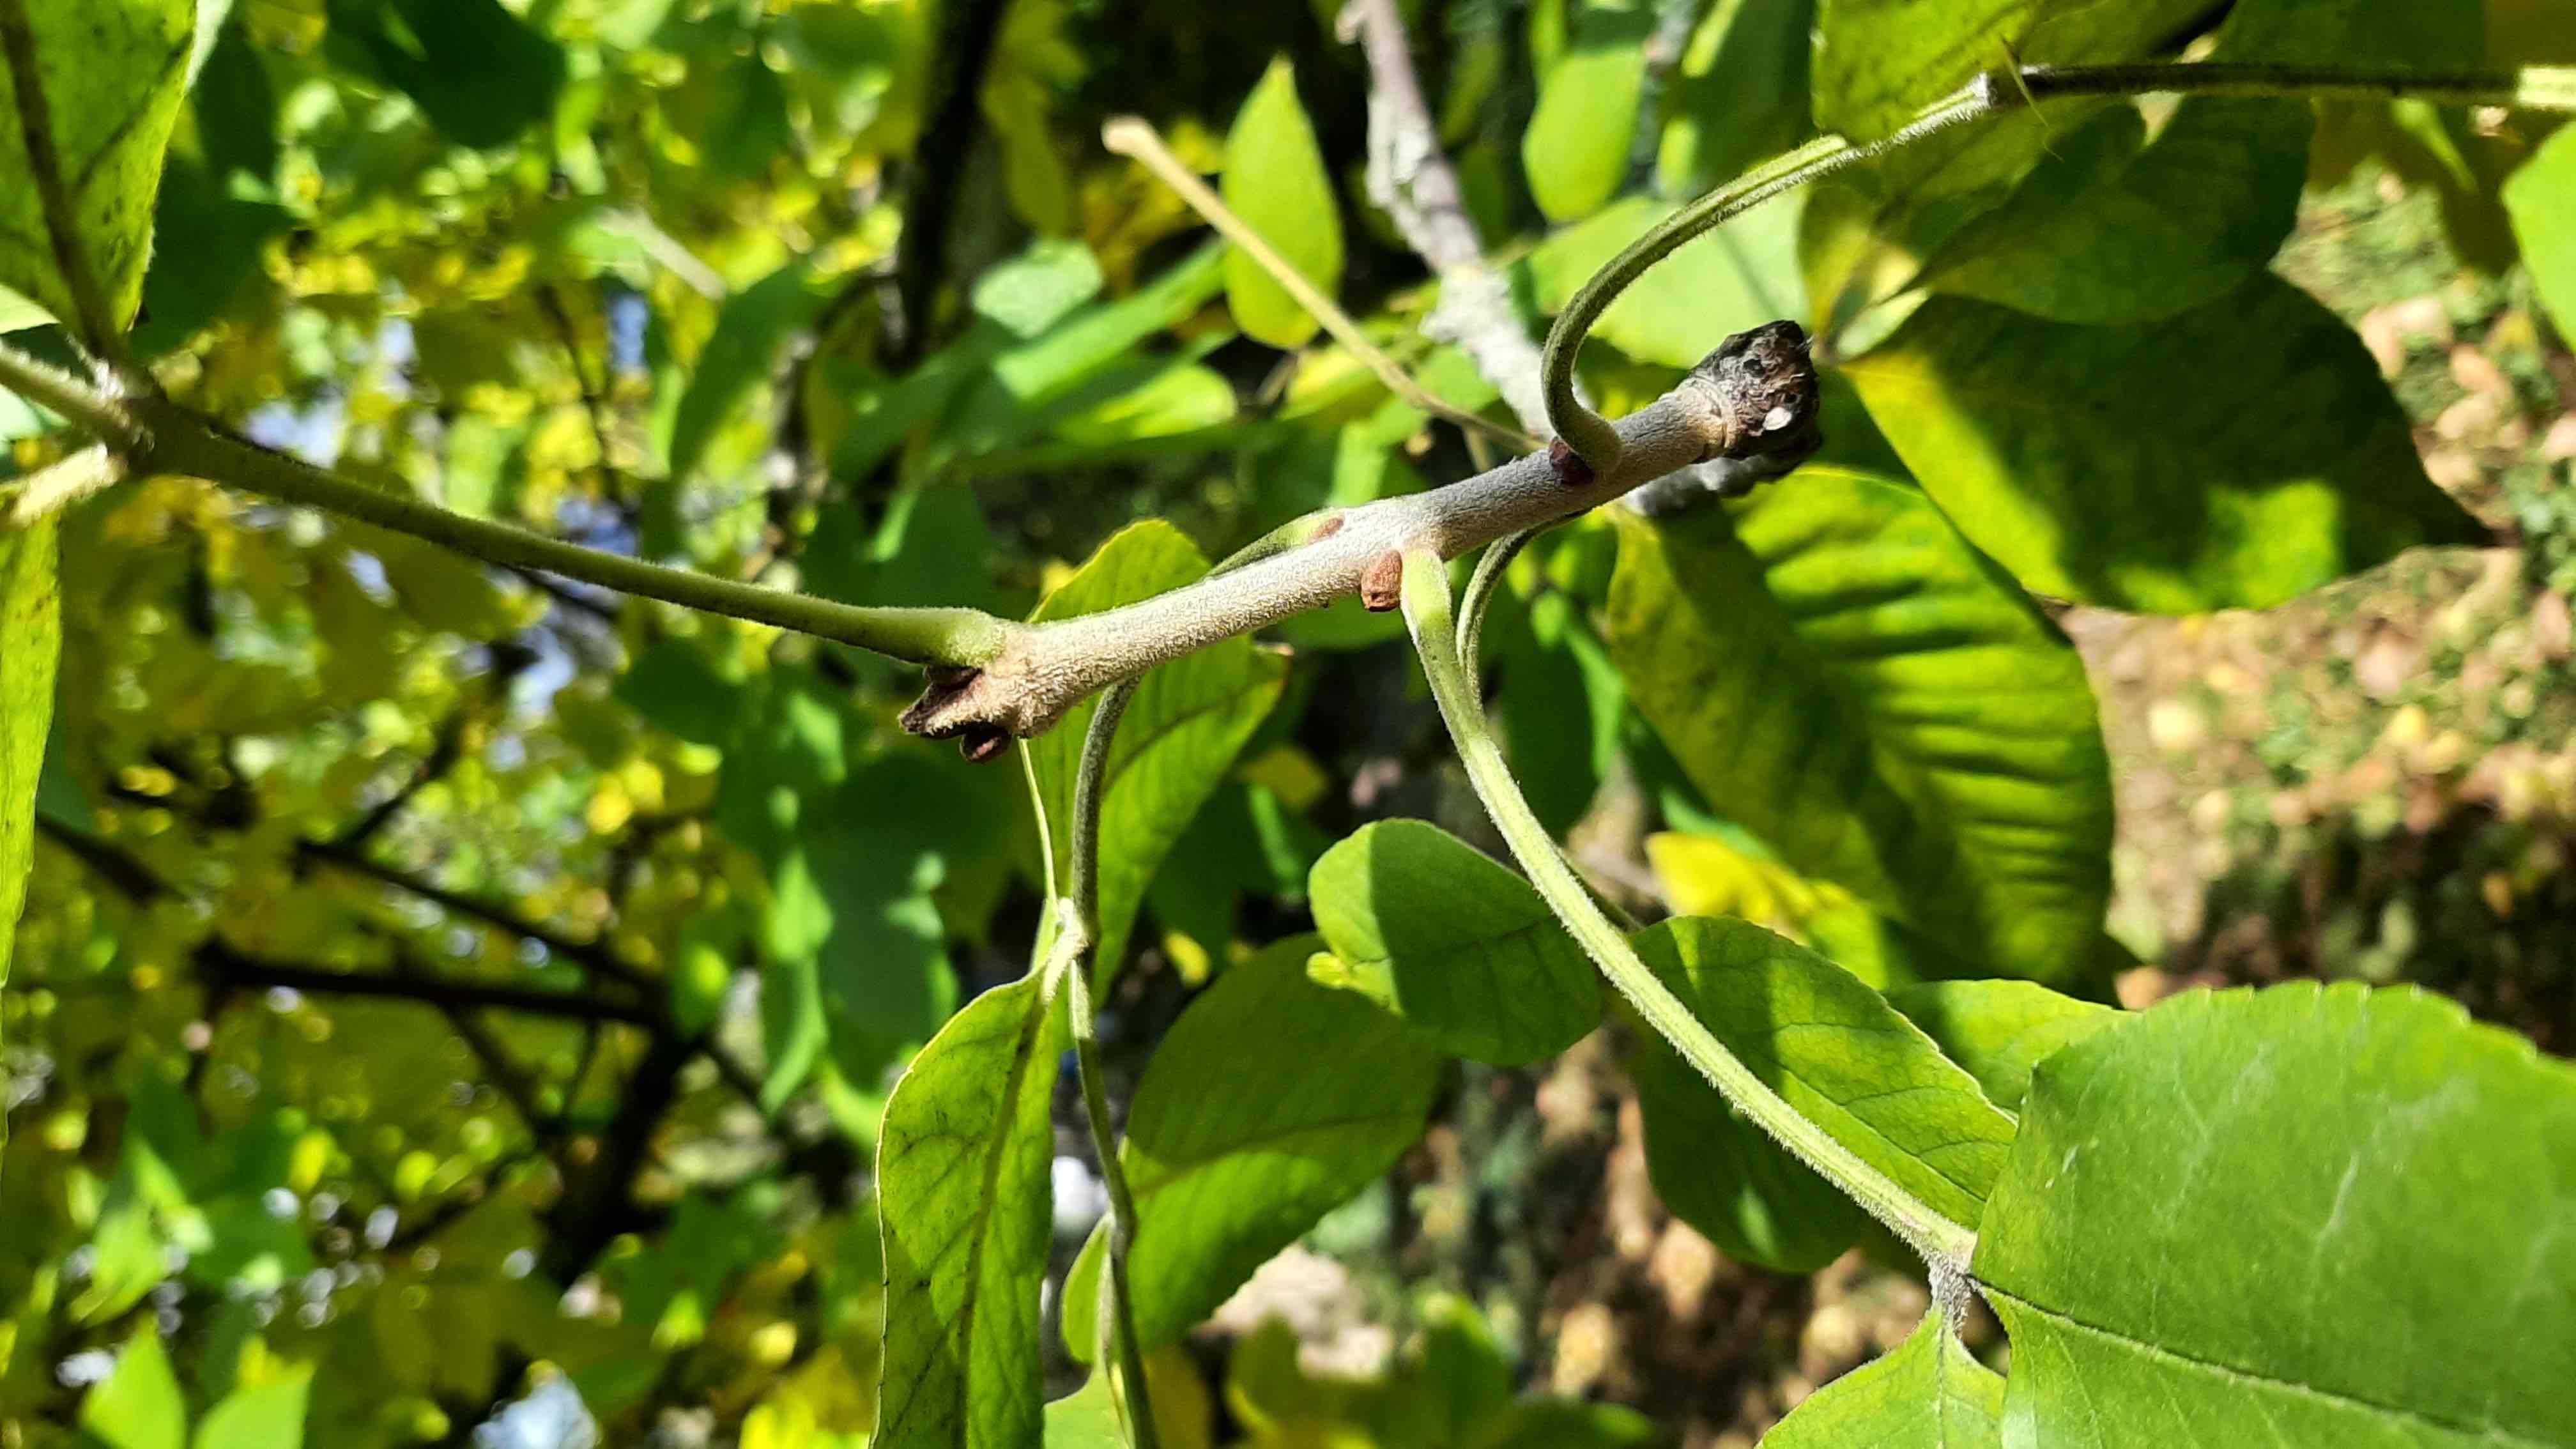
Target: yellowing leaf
30,641
1275,180
88,94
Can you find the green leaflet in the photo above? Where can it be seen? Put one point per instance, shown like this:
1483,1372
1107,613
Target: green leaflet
2395,1176
2232,456
138,1406
1726,1178
88,94
2000,1030
2542,200
1739,276
2111,228
1436,931
1928,1394
755,323
1181,734
479,73
1839,672
268,1416
31,633
1270,1101
1836,1051
962,1178
1579,138
1275,180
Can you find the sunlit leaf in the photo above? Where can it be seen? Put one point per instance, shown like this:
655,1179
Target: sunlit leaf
2000,1030
2398,1174
1188,720
1727,1178
1454,942
1584,130
1902,722
1739,95
267,1416
1929,1393
137,1406
962,1174
30,644
1275,180
2542,198
1270,1101
87,99
2231,456
1737,277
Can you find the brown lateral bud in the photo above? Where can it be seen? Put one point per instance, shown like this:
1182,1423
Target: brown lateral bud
1766,389
1327,528
981,743
1570,468
1382,584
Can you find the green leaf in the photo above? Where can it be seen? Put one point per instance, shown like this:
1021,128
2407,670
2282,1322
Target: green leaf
2542,200
2299,1216
1737,277
1275,180
1877,62
1268,1103
31,633
2112,228
138,1405
1182,732
1840,1055
1928,1394
1739,96
1839,672
754,324
963,1184
480,73
1584,128
1453,941
2232,456
1727,1178
88,94
1999,1030
270,1416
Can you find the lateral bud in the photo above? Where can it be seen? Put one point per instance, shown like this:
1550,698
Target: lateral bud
1761,386
1382,583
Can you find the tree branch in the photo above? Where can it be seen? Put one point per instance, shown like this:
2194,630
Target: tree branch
1410,178
225,965
592,956
1755,397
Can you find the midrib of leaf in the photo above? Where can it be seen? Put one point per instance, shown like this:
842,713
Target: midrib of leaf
45,167
2250,1378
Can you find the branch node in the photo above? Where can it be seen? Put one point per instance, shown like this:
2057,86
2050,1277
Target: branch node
1568,464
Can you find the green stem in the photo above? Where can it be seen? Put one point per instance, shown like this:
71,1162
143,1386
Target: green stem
1995,93
180,442
80,403
1944,1245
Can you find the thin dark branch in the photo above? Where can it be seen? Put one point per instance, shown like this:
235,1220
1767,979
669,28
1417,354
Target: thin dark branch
133,879
594,395
444,753
938,170
592,956
224,965
507,1073
598,1202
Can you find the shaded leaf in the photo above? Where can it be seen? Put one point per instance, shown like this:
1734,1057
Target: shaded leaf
1579,139
1739,96
1839,1054
1845,677
1930,1393
480,73
962,1172
1269,1102
1188,720
2000,1030
2231,456
754,325
1727,1178
1877,62
2399,1174
88,95
137,1406
1453,941
30,646
2113,228
1275,180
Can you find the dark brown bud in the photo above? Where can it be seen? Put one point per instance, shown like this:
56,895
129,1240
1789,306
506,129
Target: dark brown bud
1570,468
981,743
1766,385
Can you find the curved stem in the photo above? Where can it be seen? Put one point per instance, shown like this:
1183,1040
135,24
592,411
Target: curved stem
1944,1245
1488,576
1130,136
181,442
1995,93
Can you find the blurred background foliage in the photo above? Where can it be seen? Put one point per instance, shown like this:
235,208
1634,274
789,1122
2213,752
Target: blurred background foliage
451,998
